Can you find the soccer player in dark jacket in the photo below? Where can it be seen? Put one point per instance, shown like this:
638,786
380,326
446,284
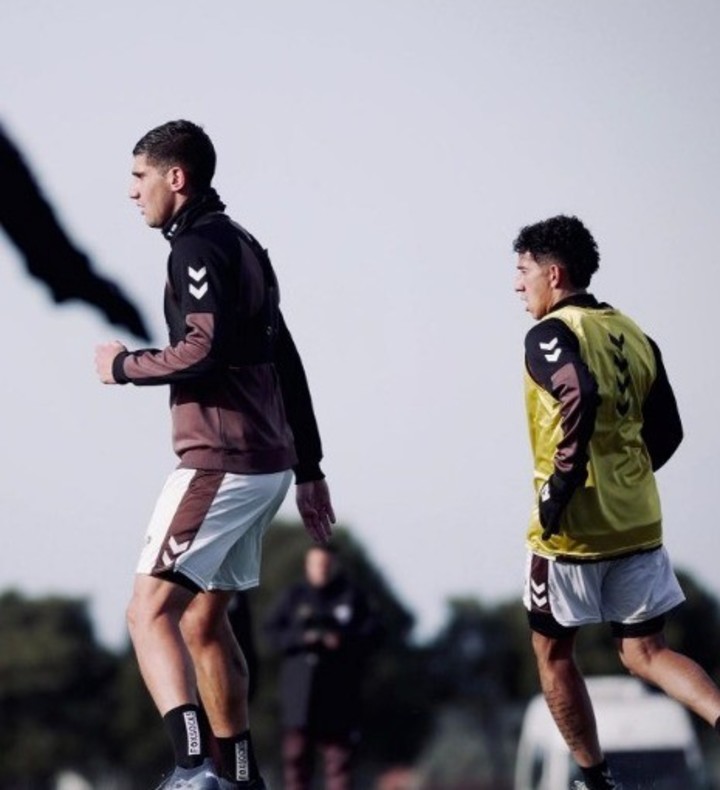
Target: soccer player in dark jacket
243,423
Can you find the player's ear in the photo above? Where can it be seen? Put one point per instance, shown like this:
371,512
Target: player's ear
557,275
176,178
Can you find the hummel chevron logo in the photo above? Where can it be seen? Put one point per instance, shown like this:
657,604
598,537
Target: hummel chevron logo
174,550
538,593
620,362
624,383
198,275
549,346
623,378
178,548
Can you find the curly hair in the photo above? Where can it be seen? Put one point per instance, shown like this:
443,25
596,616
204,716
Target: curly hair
565,239
181,143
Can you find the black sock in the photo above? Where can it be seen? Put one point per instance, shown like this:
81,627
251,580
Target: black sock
183,725
598,777
237,759
717,724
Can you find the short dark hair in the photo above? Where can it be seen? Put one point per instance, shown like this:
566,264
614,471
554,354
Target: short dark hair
565,239
181,143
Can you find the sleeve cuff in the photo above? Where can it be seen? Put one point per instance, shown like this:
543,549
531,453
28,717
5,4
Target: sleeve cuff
308,472
118,367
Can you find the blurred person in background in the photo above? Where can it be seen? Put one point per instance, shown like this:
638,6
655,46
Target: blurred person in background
325,631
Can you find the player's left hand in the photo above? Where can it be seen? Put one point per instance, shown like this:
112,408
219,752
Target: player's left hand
104,356
552,501
316,510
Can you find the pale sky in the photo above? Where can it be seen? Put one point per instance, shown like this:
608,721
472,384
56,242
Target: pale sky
387,152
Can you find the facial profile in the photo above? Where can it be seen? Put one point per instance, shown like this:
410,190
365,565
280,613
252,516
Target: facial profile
535,282
156,191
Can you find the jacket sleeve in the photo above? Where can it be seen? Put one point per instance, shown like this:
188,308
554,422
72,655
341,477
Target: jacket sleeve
662,429
197,291
187,359
298,407
553,359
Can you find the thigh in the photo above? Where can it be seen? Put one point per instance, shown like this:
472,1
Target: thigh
174,531
640,588
200,516
258,500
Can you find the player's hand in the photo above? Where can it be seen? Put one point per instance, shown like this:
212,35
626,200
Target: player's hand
104,356
552,501
316,510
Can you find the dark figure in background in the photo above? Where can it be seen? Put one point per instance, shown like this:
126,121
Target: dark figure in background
49,254
325,630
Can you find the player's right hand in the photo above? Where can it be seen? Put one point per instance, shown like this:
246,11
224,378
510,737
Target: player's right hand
316,510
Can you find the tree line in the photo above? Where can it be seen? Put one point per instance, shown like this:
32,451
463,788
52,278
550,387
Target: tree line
449,708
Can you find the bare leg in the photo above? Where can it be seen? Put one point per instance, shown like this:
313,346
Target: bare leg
337,755
567,697
650,659
220,667
298,757
154,622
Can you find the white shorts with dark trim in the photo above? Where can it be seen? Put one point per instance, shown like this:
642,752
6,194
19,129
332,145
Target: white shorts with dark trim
627,590
209,525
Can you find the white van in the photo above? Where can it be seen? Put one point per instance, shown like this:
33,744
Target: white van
647,737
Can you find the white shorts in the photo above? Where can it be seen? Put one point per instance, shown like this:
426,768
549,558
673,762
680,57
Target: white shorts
208,527
628,590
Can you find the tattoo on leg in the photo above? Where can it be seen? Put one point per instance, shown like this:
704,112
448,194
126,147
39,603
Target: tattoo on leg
571,719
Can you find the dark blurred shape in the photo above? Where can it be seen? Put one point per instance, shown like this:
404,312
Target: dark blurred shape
325,631
49,254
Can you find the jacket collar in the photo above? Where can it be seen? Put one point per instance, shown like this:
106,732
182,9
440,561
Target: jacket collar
197,206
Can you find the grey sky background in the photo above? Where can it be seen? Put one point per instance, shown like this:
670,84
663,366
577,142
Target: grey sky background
386,152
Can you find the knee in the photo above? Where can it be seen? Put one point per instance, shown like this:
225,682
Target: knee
151,605
202,632
637,664
637,655
630,664
198,631
551,653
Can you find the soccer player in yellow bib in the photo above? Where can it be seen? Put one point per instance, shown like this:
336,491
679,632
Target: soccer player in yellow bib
602,418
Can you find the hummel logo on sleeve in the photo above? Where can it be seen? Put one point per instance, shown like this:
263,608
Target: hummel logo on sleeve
198,275
551,347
